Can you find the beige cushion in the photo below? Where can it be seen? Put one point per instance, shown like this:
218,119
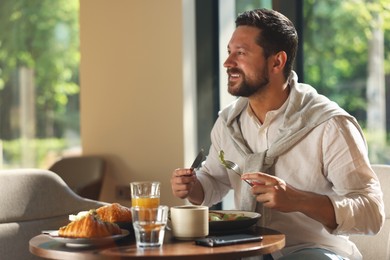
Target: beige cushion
378,247
33,200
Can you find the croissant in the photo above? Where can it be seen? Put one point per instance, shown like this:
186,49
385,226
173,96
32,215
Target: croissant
89,226
114,213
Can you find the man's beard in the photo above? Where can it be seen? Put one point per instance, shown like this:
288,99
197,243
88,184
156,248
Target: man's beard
248,88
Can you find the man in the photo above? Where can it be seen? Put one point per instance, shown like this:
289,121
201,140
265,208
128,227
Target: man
305,156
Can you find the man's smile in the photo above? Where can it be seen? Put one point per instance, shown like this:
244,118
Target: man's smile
234,74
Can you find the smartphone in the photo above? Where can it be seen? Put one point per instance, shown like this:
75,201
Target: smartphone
227,240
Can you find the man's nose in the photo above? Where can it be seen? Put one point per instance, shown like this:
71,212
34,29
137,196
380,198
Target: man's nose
229,62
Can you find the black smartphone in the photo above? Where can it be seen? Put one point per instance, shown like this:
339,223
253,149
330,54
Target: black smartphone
227,240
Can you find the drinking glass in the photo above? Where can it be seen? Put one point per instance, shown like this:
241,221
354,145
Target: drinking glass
145,194
149,225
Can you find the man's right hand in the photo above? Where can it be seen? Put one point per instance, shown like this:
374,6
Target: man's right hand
182,182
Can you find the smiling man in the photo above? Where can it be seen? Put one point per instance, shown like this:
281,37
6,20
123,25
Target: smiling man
306,157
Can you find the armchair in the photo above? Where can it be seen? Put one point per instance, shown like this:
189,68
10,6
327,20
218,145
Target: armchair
33,200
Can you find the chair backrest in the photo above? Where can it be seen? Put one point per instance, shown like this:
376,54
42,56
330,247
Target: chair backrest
33,200
83,174
378,246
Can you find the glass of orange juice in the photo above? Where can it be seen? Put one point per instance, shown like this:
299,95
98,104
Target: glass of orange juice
145,194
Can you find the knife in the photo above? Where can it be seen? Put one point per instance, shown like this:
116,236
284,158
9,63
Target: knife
198,160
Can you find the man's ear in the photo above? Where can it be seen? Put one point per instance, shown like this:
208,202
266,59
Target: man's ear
279,61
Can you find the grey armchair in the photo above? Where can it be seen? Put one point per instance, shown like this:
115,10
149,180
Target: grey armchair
83,174
378,246
33,200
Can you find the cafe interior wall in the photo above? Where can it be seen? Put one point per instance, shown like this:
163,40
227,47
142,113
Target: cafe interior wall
133,84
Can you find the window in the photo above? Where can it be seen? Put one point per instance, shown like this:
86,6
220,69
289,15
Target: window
39,89
347,58
245,5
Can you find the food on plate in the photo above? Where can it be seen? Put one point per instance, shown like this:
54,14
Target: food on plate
79,215
220,216
114,213
96,223
89,226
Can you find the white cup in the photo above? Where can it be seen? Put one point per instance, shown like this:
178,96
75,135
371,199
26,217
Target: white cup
190,222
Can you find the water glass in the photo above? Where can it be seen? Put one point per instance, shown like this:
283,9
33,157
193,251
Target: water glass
149,225
145,194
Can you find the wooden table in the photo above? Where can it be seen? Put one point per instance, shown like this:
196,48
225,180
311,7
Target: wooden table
43,246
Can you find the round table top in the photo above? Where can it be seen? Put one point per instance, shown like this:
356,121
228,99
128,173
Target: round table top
45,247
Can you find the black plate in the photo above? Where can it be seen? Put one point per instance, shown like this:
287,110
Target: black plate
232,225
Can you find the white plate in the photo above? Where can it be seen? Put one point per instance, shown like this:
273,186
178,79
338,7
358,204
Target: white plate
83,242
230,225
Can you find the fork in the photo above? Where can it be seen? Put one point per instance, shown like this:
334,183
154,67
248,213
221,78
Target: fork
232,166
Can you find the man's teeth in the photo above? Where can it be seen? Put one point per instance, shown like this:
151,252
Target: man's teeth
235,75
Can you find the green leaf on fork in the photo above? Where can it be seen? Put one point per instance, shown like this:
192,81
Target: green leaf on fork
222,159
